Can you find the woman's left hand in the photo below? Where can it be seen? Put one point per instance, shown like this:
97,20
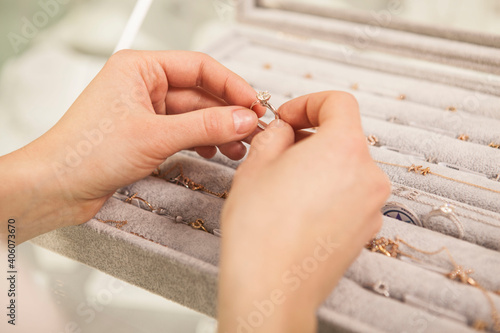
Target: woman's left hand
140,109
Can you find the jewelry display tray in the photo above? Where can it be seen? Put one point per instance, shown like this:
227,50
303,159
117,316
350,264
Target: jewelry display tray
418,94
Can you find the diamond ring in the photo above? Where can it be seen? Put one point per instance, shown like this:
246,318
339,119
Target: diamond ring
263,98
446,211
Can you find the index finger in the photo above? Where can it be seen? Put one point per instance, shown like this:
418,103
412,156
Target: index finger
185,69
336,110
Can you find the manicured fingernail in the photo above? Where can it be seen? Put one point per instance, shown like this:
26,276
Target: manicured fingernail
244,120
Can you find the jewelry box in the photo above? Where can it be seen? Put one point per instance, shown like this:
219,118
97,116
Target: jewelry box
430,103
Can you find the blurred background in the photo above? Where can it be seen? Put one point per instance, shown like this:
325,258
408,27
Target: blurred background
49,52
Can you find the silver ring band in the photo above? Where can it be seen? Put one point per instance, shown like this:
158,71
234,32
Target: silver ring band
263,99
447,211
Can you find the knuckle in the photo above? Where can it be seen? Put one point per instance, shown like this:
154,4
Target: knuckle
381,185
123,55
383,188
203,56
348,98
125,58
345,99
262,139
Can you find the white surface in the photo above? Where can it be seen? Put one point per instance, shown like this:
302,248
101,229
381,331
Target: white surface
134,23
97,302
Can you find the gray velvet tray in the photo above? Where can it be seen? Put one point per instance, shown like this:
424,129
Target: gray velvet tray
164,255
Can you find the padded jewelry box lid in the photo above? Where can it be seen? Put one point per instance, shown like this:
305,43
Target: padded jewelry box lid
469,55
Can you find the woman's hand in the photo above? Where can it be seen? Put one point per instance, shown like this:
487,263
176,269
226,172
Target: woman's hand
130,118
297,216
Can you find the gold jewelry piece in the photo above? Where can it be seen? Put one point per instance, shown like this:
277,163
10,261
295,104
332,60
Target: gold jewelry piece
198,224
447,211
391,248
181,179
118,224
263,98
451,108
414,195
148,239
124,196
479,325
372,140
462,275
385,246
419,169
494,145
134,196
394,119
371,89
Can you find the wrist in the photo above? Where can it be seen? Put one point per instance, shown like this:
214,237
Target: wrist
37,201
256,298
272,312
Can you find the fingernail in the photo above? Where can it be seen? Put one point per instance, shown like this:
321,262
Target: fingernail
278,123
244,120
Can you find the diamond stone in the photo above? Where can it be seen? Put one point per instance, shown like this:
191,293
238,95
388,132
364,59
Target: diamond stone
263,96
447,209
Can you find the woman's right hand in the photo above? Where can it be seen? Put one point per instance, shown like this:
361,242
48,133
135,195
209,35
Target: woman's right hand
297,215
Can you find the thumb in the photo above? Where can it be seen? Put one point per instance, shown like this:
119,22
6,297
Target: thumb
269,144
207,127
